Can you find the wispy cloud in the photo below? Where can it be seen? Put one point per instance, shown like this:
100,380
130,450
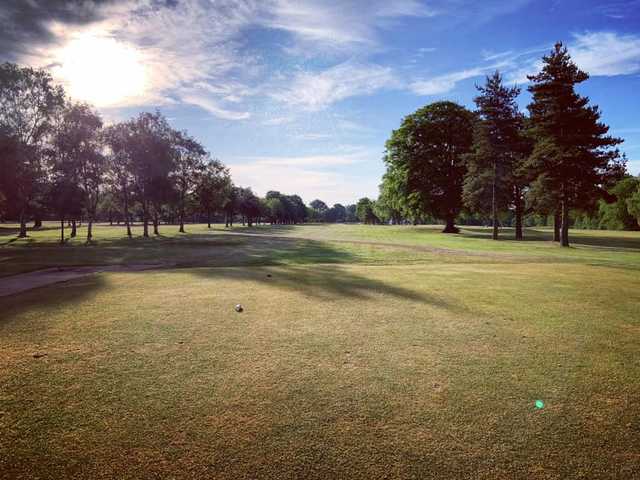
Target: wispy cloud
343,24
598,53
181,46
606,53
442,84
314,91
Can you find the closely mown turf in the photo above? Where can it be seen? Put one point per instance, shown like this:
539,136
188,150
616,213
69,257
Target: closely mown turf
362,353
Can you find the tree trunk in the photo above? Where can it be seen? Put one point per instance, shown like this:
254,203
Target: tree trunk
181,229
450,226
74,229
208,219
62,231
37,223
556,225
23,226
89,229
145,220
494,206
155,223
565,224
518,205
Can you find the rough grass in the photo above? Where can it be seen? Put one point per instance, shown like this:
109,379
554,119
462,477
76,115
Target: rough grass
351,360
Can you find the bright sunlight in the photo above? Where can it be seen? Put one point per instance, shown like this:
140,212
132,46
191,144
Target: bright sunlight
101,70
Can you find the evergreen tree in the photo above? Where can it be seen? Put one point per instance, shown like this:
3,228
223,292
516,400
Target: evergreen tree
572,149
493,182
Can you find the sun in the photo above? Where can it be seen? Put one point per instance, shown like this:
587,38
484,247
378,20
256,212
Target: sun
102,70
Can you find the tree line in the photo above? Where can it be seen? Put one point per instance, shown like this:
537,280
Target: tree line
58,158
558,161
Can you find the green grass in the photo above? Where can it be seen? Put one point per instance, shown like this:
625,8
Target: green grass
363,352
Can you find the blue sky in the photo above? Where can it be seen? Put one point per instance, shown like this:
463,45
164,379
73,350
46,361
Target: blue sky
300,96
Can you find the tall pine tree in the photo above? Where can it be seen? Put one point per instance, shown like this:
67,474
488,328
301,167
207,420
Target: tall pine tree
572,151
493,183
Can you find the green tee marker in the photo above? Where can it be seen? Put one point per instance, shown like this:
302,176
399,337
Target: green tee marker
539,404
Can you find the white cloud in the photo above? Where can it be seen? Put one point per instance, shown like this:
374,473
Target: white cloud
597,53
212,107
606,53
190,51
314,91
445,83
339,23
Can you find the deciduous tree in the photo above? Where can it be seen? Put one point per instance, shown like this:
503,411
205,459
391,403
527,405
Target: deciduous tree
430,146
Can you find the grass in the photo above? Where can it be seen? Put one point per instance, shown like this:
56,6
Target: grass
363,352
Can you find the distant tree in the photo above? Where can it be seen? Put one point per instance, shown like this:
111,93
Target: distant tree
633,205
275,209
64,198
298,211
319,210
493,182
285,209
351,213
430,146
150,148
616,214
248,206
213,184
230,205
336,214
163,192
77,154
394,199
119,167
543,199
109,206
188,164
364,211
572,149
28,102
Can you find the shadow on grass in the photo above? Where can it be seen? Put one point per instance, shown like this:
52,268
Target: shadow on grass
630,240
306,266
321,281
12,230
42,301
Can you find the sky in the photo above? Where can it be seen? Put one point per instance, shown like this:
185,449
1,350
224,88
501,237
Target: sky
300,96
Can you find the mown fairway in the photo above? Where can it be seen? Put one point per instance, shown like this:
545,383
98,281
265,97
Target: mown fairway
363,352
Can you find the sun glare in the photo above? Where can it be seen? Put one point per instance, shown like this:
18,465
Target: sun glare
101,70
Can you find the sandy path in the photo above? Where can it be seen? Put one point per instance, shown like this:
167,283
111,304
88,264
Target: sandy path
27,281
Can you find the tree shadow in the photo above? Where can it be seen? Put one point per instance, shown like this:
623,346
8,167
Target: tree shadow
321,281
614,241
46,299
313,268
12,230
